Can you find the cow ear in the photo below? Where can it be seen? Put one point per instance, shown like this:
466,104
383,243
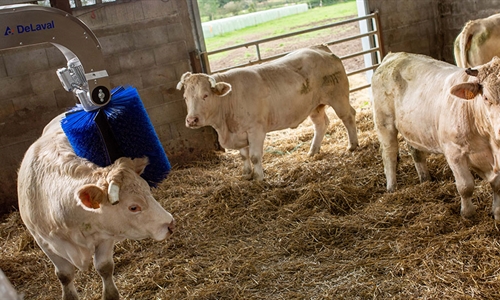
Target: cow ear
466,91
222,89
140,164
90,197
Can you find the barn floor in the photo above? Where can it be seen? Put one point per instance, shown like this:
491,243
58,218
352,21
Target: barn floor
317,228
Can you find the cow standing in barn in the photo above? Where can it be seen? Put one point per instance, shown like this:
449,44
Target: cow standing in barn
75,209
440,108
478,42
244,104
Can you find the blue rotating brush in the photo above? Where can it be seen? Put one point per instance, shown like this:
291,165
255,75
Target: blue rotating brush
103,126
120,128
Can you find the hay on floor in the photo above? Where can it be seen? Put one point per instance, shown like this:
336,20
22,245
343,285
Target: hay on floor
319,227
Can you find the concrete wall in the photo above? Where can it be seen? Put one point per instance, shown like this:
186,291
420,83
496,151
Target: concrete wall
427,26
408,25
454,14
145,44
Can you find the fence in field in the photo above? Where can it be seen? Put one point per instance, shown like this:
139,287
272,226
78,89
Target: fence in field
221,26
373,47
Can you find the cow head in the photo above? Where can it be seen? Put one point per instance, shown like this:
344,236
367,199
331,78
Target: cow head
485,89
135,214
201,93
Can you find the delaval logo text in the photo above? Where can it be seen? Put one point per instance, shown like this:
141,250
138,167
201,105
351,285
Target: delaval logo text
29,28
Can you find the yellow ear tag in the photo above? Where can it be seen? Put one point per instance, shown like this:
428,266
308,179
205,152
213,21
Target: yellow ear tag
469,95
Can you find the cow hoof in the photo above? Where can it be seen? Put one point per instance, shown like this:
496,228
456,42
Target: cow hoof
313,151
468,212
310,154
391,188
496,215
247,176
352,147
258,178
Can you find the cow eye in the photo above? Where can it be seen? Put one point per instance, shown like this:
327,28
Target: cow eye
205,96
134,208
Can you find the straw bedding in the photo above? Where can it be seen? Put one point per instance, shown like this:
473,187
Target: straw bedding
316,228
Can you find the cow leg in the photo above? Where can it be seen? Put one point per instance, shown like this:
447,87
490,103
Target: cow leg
256,146
347,114
464,182
419,158
388,138
247,164
495,210
103,262
320,121
65,272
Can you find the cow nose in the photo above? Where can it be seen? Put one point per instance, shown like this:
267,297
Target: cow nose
171,226
192,121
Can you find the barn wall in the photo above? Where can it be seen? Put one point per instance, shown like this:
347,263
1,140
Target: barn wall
454,14
145,44
408,26
427,26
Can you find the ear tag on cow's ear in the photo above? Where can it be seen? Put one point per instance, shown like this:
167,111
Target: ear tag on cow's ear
469,95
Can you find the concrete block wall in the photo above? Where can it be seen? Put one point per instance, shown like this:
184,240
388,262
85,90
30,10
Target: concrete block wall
455,14
31,95
408,26
145,44
427,26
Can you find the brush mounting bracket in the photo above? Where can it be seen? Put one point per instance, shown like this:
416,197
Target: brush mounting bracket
27,24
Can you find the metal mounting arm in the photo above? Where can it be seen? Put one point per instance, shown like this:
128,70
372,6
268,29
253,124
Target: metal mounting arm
26,24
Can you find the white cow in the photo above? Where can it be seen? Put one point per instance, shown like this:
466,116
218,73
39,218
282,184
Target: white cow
478,42
244,104
65,202
440,108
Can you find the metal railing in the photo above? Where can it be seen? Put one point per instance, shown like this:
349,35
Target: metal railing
377,49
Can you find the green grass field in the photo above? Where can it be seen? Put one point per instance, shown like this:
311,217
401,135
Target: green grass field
317,16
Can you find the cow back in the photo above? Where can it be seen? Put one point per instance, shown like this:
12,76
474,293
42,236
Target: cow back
282,93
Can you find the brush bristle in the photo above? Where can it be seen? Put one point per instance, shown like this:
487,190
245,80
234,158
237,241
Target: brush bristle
131,127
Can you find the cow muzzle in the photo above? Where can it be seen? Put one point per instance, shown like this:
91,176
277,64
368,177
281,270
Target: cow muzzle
171,227
167,229
192,122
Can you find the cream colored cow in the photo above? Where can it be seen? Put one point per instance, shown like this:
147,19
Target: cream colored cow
244,104
440,108
66,203
478,42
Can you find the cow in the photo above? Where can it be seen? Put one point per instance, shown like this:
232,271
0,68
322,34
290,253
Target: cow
440,108
478,42
243,104
75,209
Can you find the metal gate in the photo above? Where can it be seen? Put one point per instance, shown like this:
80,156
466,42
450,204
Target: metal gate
373,34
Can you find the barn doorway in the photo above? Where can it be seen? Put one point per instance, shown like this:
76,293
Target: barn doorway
347,27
